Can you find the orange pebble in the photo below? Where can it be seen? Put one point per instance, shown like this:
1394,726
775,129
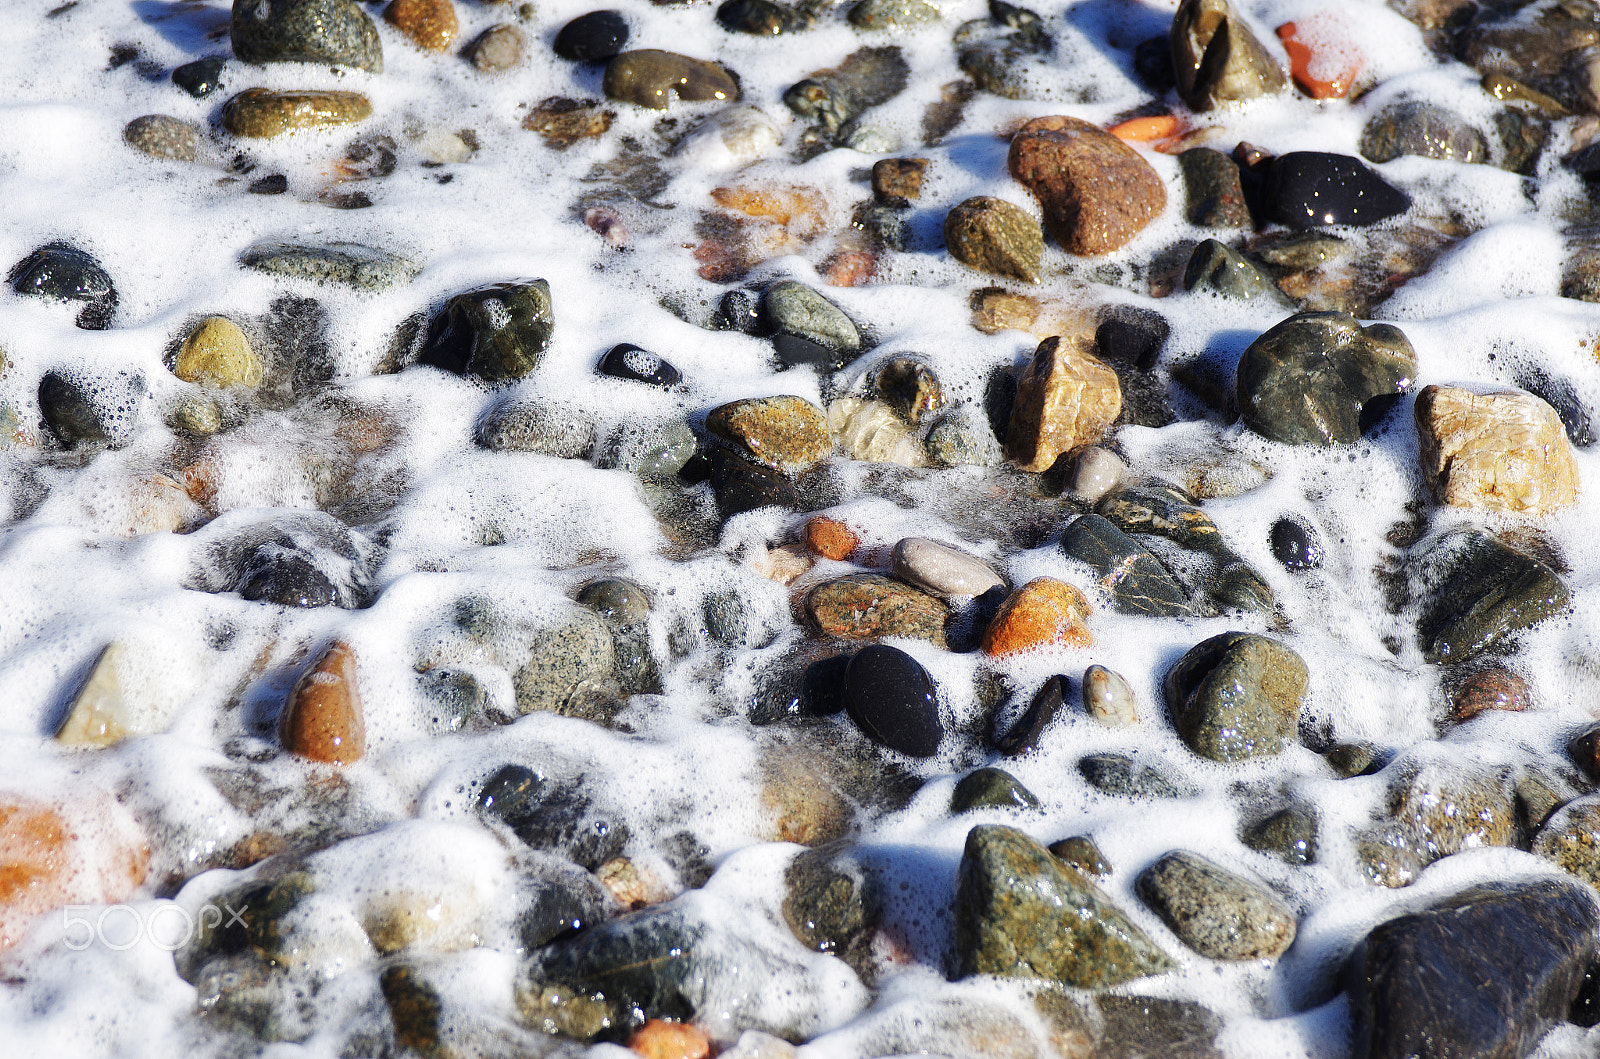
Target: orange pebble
830,538
1146,130
658,1039
430,24
1043,611
1321,67
849,268
50,858
322,719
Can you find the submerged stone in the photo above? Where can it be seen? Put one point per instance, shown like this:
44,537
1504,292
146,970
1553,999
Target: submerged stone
1221,270
1424,129
1288,834
1479,593
1127,778
1213,190
62,272
498,332
1236,696
1136,581
991,788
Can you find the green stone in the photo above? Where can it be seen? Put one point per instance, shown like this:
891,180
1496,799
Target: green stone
991,788
497,333
1484,592
993,235
1236,696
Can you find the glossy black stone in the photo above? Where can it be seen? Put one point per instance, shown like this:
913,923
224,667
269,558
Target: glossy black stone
551,817
822,687
741,486
497,332
69,411
1296,545
1133,335
798,351
201,77
280,575
742,310
892,699
62,272
593,37
628,361
561,906
991,788
1309,188
1024,735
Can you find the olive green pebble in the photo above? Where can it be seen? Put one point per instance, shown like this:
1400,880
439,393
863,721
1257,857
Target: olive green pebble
217,353
260,113
991,788
1080,852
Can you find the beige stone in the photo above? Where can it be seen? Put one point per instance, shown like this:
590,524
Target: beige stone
100,715
784,564
1502,451
1066,399
217,353
872,432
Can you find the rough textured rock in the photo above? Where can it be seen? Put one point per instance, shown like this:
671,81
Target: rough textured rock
496,332
1444,808
1236,696
1570,839
830,538
1288,834
893,700
942,569
1136,581
993,235
430,24
1421,128
892,14
650,78
355,265
545,427
565,665
161,136
306,31
1488,970
322,719
1044,612
1021,914
1478,592
1504,451
1223,271
785,433
1122,776
869,606
1096,192
497,49
1213,190
1218,60
1216,913
1066,398
874,432
898,177
865,78
217,353
260,113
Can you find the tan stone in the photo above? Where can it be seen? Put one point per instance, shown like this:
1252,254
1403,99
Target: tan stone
631,884
217,353
1503,451
785,433
784,564
1066,399
801,806
431,24
1041,613
322,719
995,309
260,113
1096,192
100,715
659,1039
873,432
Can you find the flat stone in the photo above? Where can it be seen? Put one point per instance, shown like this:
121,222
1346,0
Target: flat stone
870,606
546,427
1066,398
261,113
651,453
1126,778
164,137
892,14
429,24
1136,581
942,569
1218,914
1025,734
498,332
650,78
1095,191
1502,451
1043,613
563,122
322,719
1223,271
306,31
864,79
830,538
1489,970
1319,378
63,273
1021,914
1213,190
791,308
1489,688
1108,698
1288,834
760,18
593,37
993,235
991,788
1218,60
1417,127
355,265
1479,592
217,353
497,49
874,432
784,433
1236,696
564,662
1305,189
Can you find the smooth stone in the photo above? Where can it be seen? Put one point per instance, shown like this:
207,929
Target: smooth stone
791,308
1218,914
869,606
1217,59
628,361
564,662
193,414
1132,335
83,412
866,78
727,620
261,113
593,37
1081,853
562,122
1569,839
1503,451
1288,834
960,438
1318,378
1424,129
1353,759
551,816
732,137
1489,970
352,264
498,332
830,903
741,486
322,719
1443,808
995,52
1479,592
100,714
784,433
1305,189
217,353
1066,399
759,18
616,600
650,78
1044,612
429,24
274,574
892,14
1164,511
1127,778
942,569
497,49
1489,688
1213,190
1108,698
453,697
545,427
1295,544
874,432
61,272
164,137
201,77
1136,581
1220,270
910,387
272,184
562,901
993,235
830,538
1584,750
306,31
898,178
1019,913
1236,696
1096,192
1025,734
991,788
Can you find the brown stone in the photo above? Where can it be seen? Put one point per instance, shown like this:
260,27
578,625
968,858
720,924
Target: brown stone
993,235
1491,688
430,24
869,606
497,49
322,719
898,177
1066,399
630,884
995,309
260,113
1096,191
563,122
785,433
1504,451
86,852
830,538
659,1039
1040,613
799,803
650,77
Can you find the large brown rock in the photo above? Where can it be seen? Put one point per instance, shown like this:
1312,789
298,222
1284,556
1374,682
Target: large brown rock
1066,399
1504,451
869,606
1096,191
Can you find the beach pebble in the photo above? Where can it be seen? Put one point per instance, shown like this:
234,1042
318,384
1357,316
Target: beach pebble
1096,473
101,714
1026,732
628,361
593,37
497,333
991,788
650,78
1424,129
734,136
86,850
942,569
1108,698
1217,269
261,113
830,903
995,309
550,815
870,606
909,387
1165,511
1218,914
892,14
616,600
90,413
759,18
306,31
1570,839
794,310
430,24
1126,778
1095,191
161,136
497,49
1502,451
741,486
217,353
1044,612
873,432
830,538
1021,914
201,77
1212,189
660,1039
784,433
1066,399
61,272
993,235
657,453
566,661
1295,544
960,438
866,78
352,264
1236,696
545,427
1444,808
898,178
1305,189
784,564
1136,581
322,718
1477,592
1490,688
563,122
1236,70
1288,834
1081,853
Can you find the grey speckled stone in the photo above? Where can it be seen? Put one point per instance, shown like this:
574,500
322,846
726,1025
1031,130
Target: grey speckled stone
1288,834
1216,913
353,264
892,14
961,438
544,427
796,309
649,453
162,136
616,600
577,652
1218,269
1421,128
1479,593
1127,778
1136,581
308,31
1236,696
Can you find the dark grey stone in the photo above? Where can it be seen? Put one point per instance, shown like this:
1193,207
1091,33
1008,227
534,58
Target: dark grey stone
1478,593
1288,834
91,413
593,37
1421,128
1025,733
1305,189
306,31
292,558
1137,581
628,361
760,18
1132,334
1127,778
831,902
962,438
201,77
1143,1027
556,817
1080,852
545,427
991,788
741,486
61,272
1236,696
794,309
1295,544
498,332
1218,914
1217,269
893,700
866,78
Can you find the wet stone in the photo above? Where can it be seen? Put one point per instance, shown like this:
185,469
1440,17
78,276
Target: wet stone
1217,59
942,569
1096,192
1096,472
784,433
873,432
61,272
616,600
201,77
1321,378
741,486
1353,759
993,235
1108,698
991,788
1236,696
892,14
1288,834
497,49
1489,688
830,903
544,427
1127,778
1132,335
308,31
1517,950
1165,511
496,333
76,410
1044,612
1570,839
1295,544
260,113
1213,191
565,661
352,264
961,439
759,18
1584,750
650,78
1424,129
1503,451
1026,732
1479,593
1136,581
1218,914
628,361
272,184
794,310
217,353
1137,1027
551,816
429,24
414,1006
830,538
1081,853
322,719
1021,914
1066,399
563,122
1444,808
909,387
870,606
866,78
898,178
593,37
164,137
1221,270
1305,189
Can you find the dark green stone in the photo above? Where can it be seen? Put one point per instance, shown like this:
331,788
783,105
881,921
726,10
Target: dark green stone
991,788
1484,592
830,902
1288,834
1215,268
1213,190
1125,777
1081,853
497,333
759,18
1137,581
1236,696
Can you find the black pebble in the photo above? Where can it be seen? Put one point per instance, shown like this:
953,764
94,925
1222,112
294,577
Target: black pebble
279,575
796,351
1295,545
891,698
62,272
742,486
822,687
628,361
1133,335
1309,188
592,37
276,184
742,310
1152,62
551,818
1024,735
760,18
201,77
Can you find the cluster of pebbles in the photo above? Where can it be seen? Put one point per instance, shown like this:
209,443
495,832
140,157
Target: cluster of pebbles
919,571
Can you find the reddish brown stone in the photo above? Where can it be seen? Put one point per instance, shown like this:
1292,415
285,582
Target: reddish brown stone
830,538
1492,688
1042,612
1096,191
431,24
898,177
659,1039
322,719
869,606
